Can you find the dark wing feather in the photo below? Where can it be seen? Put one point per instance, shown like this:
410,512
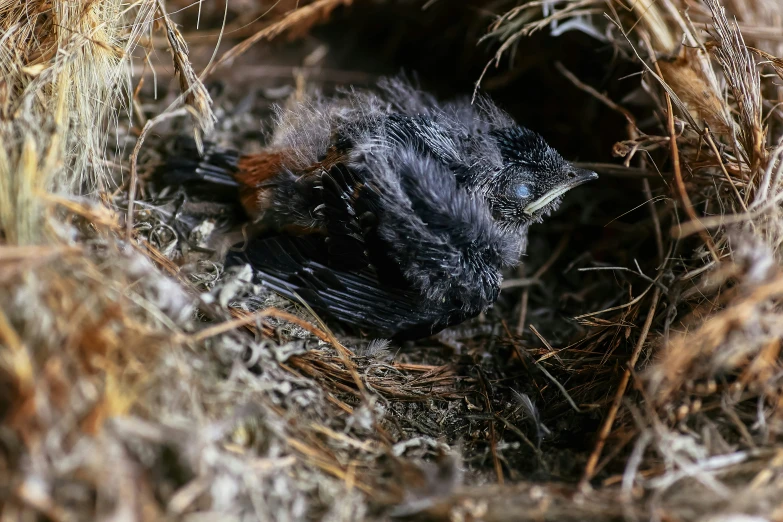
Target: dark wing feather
344,199
290,266
216,166
345,274
210,174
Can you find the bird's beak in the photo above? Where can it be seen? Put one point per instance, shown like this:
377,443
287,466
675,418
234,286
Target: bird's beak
580,177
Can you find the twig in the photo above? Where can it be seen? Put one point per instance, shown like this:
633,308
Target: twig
537,276
692,227
193,93
552,351
319,8
519,282
9,335
656,220
601,97
603,434
626,269
523,308
345,354
134,159
519,434
26,253
618,307
233,324
559,387
617,171
650,201
685,199
492,435
766,180
544,371
711,143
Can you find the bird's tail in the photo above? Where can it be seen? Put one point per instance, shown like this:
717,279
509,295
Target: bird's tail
211,173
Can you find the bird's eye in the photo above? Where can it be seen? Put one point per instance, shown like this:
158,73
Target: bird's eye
522,191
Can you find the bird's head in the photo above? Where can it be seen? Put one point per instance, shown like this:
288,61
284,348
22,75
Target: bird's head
532,180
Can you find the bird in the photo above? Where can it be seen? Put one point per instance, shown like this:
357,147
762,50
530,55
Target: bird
386,211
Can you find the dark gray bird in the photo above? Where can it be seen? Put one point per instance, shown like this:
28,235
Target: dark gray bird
387,211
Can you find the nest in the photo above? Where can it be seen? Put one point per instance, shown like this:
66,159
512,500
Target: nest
630,370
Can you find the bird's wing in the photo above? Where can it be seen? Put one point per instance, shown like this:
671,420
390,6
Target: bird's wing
349,210
289,266
341,273
209,174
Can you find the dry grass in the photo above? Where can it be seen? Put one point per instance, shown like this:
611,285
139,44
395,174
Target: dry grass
137,381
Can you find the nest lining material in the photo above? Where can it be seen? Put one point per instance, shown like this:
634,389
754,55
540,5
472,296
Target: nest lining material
138,381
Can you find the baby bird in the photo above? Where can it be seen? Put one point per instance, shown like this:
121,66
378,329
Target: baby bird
387,211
